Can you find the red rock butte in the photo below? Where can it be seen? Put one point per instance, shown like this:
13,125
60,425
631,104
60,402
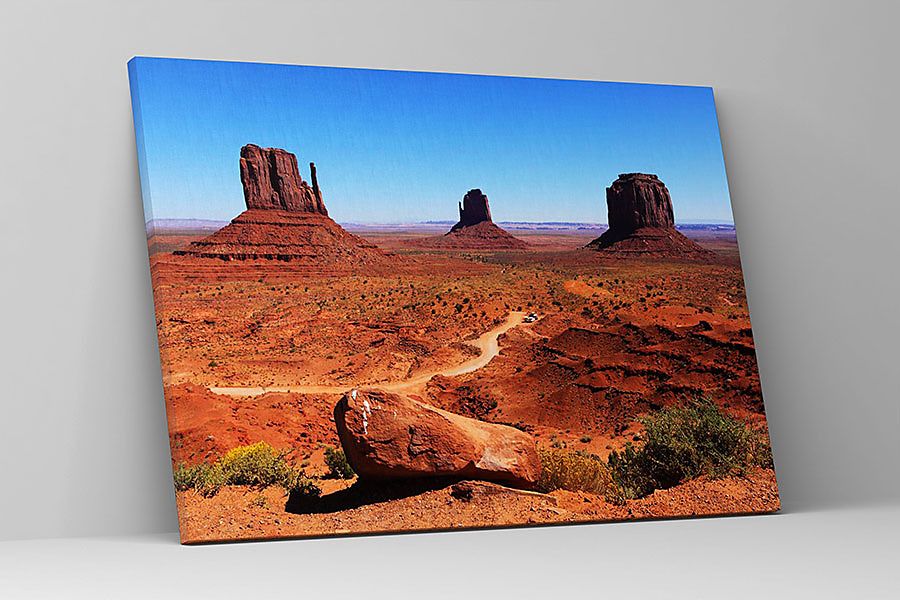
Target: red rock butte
272,181
641,220
475,229
285,220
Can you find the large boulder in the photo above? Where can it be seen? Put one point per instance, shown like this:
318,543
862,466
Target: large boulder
272,181
388,436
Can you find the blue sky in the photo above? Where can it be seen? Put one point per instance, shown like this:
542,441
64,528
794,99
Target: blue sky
399,146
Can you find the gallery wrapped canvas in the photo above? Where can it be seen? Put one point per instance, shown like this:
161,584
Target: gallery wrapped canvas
396,301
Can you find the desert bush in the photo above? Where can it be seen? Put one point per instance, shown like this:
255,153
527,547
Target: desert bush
183,476
681,443
573,471
338,467
258,465
206,478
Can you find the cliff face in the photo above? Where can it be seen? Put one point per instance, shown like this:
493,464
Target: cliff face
473,209
636,200
642,221
272,181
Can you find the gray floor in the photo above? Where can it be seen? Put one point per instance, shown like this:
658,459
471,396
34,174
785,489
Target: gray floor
834,553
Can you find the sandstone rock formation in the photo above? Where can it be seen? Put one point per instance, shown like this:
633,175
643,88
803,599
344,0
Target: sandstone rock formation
286,220
475,229
636,200
642,221
272,180
473,209
387,436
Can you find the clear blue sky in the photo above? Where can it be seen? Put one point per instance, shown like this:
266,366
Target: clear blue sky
398,146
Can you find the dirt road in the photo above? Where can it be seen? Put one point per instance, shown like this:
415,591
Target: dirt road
487,343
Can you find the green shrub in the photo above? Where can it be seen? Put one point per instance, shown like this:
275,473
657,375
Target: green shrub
338,467
258,465
183,476
205,478
683,443
573,471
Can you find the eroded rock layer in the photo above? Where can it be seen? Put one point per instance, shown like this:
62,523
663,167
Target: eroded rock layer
285,235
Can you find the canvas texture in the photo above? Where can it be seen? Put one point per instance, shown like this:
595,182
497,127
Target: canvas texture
395,301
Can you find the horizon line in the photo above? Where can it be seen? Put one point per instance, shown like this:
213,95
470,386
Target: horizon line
451,222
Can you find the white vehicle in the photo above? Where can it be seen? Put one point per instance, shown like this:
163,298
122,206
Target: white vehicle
530,318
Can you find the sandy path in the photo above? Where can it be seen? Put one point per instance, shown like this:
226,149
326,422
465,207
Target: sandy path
487,343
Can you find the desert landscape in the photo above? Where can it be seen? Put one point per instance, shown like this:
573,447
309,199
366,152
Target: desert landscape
323,379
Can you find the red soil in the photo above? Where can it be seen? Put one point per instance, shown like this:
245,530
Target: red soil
244,513
616,339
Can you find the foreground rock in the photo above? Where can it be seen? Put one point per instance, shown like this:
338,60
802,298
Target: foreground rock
642,220
387,436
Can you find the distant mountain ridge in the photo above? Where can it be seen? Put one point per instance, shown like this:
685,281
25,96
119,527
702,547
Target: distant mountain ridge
211,225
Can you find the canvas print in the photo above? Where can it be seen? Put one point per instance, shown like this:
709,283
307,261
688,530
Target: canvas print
396,301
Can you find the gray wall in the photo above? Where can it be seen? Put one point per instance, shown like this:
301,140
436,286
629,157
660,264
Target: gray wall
807,96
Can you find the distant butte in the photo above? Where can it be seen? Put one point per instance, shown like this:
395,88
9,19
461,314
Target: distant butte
642,221
473,209
475,229
285,220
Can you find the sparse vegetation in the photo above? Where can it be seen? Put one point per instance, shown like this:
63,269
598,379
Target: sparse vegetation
338,467
683,443
258,465
207,479
573,471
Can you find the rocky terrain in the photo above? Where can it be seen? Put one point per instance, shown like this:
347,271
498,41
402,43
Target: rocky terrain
642,220
260,347
350,508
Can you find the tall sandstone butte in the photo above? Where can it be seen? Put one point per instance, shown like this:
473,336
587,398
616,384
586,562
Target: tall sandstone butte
475,229
641,219
286,220
473,209
272,181
636,200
